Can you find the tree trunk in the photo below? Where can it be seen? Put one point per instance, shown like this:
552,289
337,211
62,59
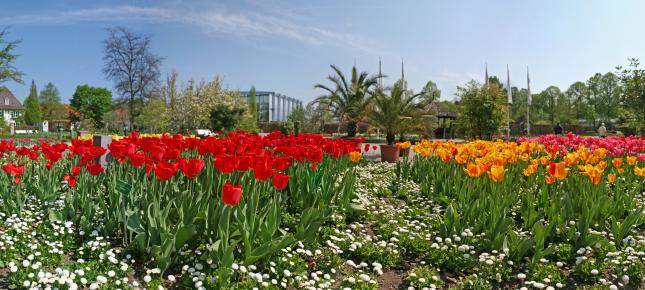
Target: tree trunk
389,137
351,128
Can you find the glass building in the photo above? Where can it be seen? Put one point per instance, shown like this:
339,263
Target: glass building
273,107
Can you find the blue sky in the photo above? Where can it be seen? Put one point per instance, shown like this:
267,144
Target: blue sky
287,46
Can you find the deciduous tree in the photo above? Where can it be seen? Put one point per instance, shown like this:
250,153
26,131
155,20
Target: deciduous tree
129,62
154,117
481,109
91,103
633,80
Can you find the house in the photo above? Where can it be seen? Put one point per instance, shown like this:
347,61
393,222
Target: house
10,106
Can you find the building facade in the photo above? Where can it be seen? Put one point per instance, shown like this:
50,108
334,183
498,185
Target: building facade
10,107
273,107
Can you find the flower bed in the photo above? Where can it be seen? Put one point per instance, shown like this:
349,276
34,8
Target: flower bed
304,212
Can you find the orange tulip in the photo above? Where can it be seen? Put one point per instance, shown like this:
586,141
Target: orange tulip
496,173
535,161
558,170
631,160
473,170
617,162
600,153
621,170
570,159
549,179
354,156
461,158
403,145
611,178
593,172
530,170
602,164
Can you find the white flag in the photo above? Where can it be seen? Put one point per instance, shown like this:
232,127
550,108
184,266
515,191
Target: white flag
509,93
528,86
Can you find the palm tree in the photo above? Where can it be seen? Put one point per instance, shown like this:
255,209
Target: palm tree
349,101
396,111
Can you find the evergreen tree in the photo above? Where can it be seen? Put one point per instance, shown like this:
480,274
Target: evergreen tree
253,103
33,114
7,59
50,103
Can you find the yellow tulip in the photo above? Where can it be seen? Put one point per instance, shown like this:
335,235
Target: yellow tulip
639,171
496,173
611,178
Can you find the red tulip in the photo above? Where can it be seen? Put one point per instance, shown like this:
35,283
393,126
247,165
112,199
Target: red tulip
171,153
118,150
94,168
281,163
315,155
149,166
191,167
71,180
243,163
137,159
225,163
231,194
280,181
262,171
165,170
76,170
14,170
156,152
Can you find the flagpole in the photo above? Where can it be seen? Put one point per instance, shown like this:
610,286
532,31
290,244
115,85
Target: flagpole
528,103
509,95
486,76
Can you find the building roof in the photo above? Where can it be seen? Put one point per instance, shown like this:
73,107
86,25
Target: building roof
441,111
8,101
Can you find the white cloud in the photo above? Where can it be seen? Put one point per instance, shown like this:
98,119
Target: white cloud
459,78
214,21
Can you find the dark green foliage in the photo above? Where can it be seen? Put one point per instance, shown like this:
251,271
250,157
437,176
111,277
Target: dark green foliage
91,103
33,114
633,81
481,109
348,99
253,103
225,118
7,57
50,103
